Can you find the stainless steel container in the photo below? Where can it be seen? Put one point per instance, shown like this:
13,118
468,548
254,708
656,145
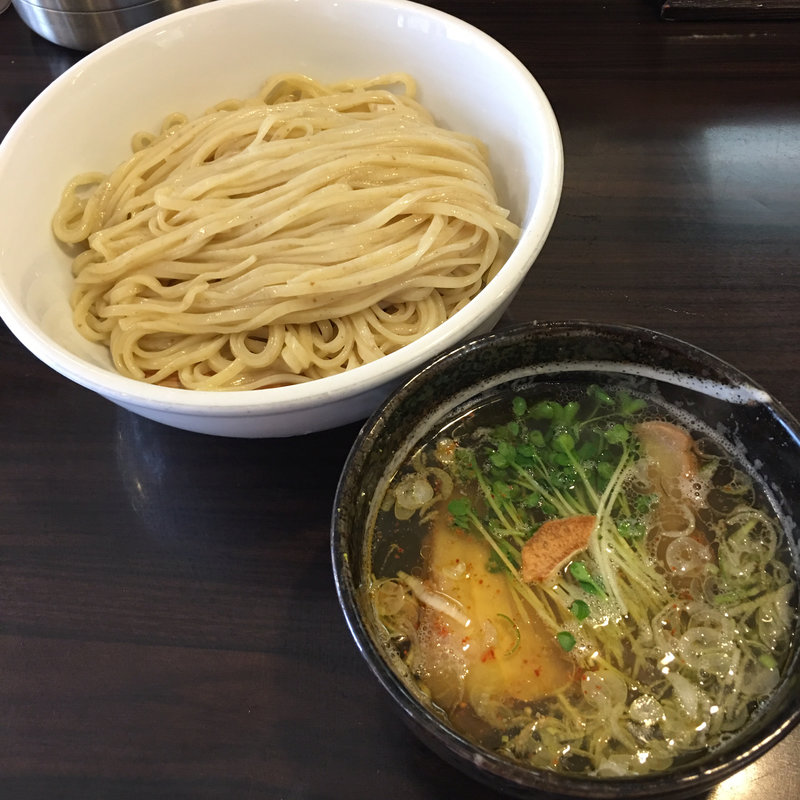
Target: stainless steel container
88,24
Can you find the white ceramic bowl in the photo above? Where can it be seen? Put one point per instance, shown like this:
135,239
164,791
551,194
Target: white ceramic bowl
192,59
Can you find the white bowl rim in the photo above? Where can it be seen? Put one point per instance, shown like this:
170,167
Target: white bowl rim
361,379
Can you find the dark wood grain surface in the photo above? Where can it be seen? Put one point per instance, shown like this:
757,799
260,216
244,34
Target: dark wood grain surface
168,621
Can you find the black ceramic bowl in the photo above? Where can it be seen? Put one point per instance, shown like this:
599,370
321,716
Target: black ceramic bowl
677,373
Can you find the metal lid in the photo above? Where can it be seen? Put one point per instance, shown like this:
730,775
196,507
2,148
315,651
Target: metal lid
88,24
92,6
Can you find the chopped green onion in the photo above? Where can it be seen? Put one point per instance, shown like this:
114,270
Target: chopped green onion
516,631
768,660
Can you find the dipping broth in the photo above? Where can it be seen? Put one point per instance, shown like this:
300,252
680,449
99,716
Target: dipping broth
584,581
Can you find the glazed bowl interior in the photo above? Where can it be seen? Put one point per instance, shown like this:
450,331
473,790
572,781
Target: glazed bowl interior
678,375
189,61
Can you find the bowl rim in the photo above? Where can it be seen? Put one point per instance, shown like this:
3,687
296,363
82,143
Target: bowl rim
682,781
305,395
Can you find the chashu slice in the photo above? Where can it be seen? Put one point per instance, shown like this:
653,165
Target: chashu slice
670,459
494,647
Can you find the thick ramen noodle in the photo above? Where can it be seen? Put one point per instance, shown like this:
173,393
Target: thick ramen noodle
282,238
583,584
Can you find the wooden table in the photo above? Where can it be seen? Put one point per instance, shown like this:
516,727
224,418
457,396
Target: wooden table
168,621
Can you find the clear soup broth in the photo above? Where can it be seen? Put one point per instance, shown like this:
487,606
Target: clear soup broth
584,580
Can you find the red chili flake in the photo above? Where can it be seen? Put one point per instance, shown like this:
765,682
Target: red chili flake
488,655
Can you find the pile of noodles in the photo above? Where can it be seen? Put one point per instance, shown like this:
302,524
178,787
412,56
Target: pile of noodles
282,238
